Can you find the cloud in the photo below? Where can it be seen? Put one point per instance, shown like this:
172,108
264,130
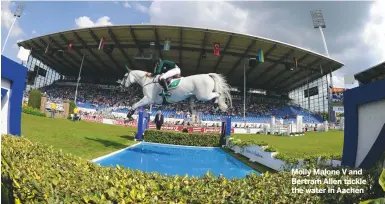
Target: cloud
365,47
7,19
374,32
86,22
126,5
356,39
141,8
216,15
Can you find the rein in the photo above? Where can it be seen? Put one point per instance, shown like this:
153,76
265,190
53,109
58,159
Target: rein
153,82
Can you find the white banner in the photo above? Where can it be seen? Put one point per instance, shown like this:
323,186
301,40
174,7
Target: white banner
338,109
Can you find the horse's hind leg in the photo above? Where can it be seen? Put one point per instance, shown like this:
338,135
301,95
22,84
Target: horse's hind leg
210,96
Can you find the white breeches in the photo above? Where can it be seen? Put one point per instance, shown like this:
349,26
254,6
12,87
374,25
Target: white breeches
170,73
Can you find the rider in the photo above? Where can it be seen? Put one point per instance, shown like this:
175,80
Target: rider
167,69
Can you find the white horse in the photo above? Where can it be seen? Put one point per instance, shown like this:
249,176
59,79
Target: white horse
204,87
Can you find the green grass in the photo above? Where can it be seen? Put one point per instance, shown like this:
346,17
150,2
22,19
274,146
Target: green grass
90,140
312,143
85,139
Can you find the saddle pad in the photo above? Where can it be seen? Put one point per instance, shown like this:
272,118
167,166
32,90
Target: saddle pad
174,83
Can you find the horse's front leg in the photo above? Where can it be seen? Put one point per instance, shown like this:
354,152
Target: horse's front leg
144,101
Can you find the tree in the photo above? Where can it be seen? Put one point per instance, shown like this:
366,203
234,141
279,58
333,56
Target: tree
34,100
72,106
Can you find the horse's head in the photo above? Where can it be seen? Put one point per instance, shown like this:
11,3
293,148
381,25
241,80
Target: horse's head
127,79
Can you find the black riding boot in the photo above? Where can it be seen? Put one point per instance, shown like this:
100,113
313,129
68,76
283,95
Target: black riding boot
163,83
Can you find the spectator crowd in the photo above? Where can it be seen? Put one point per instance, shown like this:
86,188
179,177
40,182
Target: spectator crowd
96,97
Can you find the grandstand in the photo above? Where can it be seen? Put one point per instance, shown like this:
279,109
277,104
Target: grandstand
284,69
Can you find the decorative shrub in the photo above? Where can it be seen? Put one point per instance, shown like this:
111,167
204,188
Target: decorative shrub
182,138
33,111
35,173
270,149
34,100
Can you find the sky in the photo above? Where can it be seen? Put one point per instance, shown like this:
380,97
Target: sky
355,30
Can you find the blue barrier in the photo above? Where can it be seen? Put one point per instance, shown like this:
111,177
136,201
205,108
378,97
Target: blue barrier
228,126
364,135
225,130
143,124
13,76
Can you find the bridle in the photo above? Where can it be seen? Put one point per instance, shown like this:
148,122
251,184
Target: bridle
154,81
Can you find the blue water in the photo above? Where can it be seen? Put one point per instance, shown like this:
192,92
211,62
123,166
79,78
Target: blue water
178,160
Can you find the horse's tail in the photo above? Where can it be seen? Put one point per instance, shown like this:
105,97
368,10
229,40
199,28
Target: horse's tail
222,88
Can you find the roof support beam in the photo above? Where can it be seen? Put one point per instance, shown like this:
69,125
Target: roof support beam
113,37
157,43
201,52
41,56
132,32
267,54
235,54
77,50
78,62
297,77
180,47
52,61
295,72
244,55
270,68
108,54
313,76
221,57
69,65
271,79
91,51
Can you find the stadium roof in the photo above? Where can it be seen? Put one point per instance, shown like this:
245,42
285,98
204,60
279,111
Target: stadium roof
188,45
371,74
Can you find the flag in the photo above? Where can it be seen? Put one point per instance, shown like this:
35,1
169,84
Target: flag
167,44
70,46
101,44
295,60
217,49
261,57
23,54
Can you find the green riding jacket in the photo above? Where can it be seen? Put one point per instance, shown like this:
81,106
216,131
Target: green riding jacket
164,66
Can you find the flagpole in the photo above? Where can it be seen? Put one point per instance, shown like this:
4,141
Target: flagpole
77,83
17,14
9,32
244,91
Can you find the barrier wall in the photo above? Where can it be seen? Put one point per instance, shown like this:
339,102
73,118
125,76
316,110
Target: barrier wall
364,138
152,126
13,77
285,129
256,153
